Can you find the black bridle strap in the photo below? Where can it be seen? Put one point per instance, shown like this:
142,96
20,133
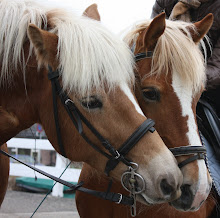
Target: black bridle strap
197,151
191,159
53,78
114,197
140,56
146,126
186,150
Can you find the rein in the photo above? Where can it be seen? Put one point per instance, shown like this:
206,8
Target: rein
114,197
198,152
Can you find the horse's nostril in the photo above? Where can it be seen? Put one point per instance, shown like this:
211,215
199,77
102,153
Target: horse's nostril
166,188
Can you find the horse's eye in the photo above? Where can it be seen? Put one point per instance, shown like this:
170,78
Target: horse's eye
151,94
91,103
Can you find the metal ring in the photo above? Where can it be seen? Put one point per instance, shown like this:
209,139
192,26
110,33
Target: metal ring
139,176
120,199
133,164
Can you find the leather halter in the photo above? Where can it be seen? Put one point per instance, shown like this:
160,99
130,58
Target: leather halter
198,152
77,118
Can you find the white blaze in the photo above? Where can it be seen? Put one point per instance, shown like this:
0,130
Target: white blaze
124,87
184,94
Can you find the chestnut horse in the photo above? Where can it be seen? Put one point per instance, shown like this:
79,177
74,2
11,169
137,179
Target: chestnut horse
4,173
168,88
95,71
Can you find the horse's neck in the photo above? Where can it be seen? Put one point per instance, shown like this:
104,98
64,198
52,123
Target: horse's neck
25,103
16,111
18,100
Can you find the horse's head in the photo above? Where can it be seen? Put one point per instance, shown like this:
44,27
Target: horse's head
170,79
96,70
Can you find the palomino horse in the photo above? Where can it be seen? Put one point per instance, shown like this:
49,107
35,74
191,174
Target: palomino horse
169,84
4,167
94,68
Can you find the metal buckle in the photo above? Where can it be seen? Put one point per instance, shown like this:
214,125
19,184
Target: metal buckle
118,155
201,156
120,199
67,101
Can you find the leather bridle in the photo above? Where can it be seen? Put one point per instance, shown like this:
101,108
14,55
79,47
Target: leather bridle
114,156
198,152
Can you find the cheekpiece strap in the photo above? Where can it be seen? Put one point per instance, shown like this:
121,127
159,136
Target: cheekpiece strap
53,74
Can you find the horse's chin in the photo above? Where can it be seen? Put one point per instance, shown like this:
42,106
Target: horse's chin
142,198
178,206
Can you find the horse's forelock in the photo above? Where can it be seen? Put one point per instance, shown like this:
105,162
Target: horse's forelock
90,56
176,52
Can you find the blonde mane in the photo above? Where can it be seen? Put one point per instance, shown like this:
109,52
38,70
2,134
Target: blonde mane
90,56
176,52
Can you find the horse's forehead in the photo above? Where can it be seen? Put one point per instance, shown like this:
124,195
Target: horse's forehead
120,97
162,82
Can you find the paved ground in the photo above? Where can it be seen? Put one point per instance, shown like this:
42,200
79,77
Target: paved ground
22,204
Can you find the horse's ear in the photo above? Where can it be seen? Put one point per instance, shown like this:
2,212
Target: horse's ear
202,27
92,12
154,31
45,44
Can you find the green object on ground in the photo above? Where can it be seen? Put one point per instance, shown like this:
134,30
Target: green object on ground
41,184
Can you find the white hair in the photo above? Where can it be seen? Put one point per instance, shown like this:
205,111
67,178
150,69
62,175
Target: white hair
89,55
175,51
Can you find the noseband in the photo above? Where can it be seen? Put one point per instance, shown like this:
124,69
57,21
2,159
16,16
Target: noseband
198,152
